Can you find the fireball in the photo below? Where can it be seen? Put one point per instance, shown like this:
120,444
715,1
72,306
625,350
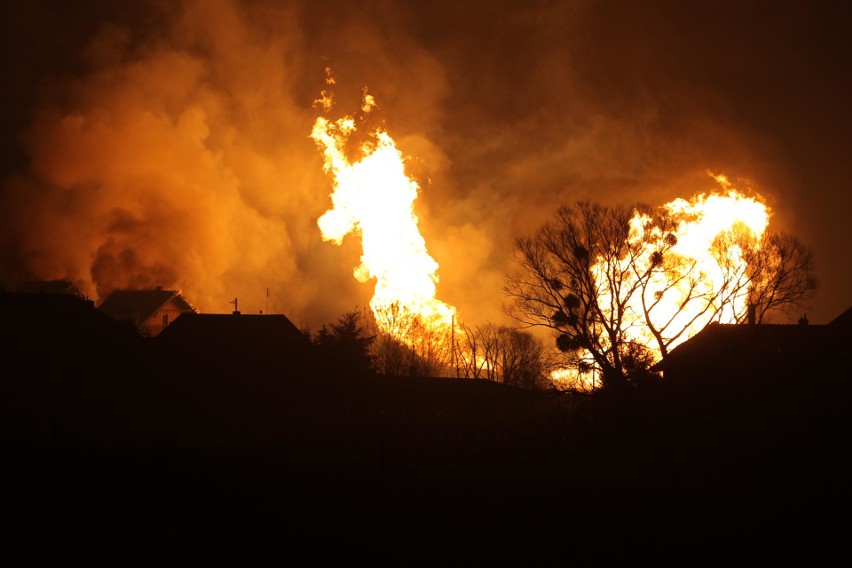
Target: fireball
683,275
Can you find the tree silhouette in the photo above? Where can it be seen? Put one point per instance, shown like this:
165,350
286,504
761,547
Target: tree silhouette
619,294
410,344
500,353
781,270
345,346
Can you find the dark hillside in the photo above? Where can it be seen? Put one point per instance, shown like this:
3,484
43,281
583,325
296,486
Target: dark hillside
132,454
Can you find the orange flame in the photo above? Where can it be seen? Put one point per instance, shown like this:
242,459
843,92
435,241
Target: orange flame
700,222
696,267
374,198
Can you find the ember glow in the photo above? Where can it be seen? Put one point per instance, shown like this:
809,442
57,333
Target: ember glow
374,198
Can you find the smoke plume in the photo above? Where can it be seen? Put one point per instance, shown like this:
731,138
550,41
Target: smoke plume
167,144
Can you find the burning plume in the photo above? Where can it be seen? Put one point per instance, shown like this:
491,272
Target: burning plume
165,143
374,197
706,262
685,265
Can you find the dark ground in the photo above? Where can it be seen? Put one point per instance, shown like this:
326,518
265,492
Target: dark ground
129,457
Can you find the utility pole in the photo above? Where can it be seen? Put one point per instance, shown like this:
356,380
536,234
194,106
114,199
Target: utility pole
453,344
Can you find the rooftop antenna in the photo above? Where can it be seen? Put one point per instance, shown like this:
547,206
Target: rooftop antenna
236,311
266,309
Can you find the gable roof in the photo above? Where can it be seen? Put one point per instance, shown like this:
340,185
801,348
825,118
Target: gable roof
738,338
240,328
220,341
739,350
56,326
138,305
52,287
843,320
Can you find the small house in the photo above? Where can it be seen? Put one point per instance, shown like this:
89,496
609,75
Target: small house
785,353
235,341
62,287
60,331
148,311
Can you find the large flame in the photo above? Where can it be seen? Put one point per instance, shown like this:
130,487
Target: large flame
718,265
701,222
702,277
374,197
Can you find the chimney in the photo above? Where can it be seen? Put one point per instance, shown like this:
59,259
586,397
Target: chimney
803,320
752,314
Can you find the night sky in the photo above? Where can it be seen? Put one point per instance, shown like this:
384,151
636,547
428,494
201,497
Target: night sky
167,143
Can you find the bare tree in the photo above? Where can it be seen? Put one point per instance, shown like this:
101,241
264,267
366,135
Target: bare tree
500,354
410,344
478,351
390,355
571,280
678,293
469,361
618,291
522,362
781,271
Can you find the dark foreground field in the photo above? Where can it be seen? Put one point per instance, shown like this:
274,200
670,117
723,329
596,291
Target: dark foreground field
224,468
117,453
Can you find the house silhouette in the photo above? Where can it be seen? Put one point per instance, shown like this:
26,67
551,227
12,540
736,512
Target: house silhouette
740,354
57,328
67,368
65,287
217,342
148,311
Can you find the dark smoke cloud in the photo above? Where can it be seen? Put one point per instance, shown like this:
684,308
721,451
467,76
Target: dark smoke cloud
157,143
